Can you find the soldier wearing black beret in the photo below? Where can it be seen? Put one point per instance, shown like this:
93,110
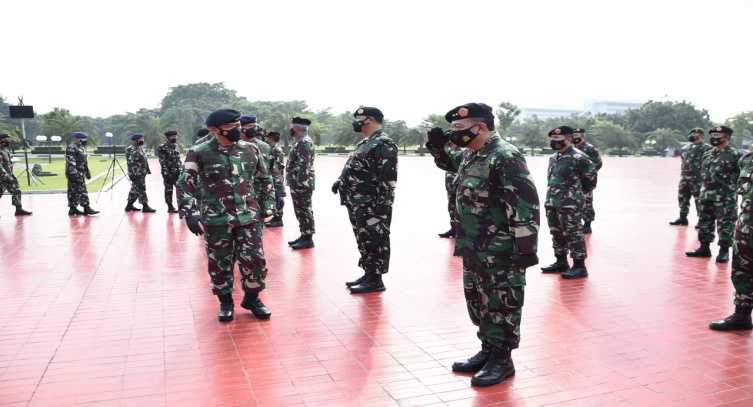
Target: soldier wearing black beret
579,139
170,166
300,178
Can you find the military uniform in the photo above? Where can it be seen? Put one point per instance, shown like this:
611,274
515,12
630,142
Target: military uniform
690,177
169,161
570,176
300,178
719,173
277,169
76,172
8,181
367,190
450,187
265,157
588,205
138,168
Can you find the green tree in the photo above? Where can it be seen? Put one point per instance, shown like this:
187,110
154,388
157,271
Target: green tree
614,136
60,122
507,113
742,126
665,138
680,116
152,126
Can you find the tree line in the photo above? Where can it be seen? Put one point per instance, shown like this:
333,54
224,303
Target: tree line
655,125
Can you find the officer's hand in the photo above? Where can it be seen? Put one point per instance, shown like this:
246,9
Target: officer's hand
88,176
437,137
194,224
336,187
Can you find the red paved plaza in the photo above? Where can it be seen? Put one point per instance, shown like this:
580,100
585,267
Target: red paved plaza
116,310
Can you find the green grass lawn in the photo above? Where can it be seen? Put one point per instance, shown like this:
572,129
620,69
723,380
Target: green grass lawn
97,165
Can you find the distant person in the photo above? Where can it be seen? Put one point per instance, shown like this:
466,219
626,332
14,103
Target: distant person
742,254
202,136
300,178
277,170
497,236
216,192
571,175
718,196
251,133
170,166
8,181
579,139
450,188
76,173
138,169
367,189
690,175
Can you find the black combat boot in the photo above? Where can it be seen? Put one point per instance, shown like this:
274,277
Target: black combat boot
448,234
275,222
740,320
497,368
371,283
587,227
225,313
701,251
131,208
252,303
474,363
73,211
723,255
21,212
357,281
681,221
148,209
292,242
306,242
171,208
578,270
89,211
560,265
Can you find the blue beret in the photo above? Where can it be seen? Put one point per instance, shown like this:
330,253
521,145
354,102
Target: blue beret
247,119
79,134
136,136
4,135
223,116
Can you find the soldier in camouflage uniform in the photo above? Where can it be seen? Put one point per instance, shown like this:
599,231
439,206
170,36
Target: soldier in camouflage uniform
570,176
690,175
450,187
76,173
251,133
579,139
497,236
367,189
277,169
742,254
138,168
217,192
301,181
8,181
169,161
719,173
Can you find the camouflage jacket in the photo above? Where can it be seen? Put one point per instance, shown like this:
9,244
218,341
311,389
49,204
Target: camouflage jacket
497,204
300,165
592,153
277,165
719,173
6,166
745,189
75,161
450,177
138,166
217,183
370,174
692,156
570,175
169,160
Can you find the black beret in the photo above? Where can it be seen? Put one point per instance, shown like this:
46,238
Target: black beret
4,135
468,110
223,116
562,130
275,135
202,132
721,129
301,120
696,130
171,133
579,130
369,111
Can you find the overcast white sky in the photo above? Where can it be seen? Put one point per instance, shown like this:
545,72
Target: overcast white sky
410,58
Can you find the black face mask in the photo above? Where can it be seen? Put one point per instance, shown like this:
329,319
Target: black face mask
233,134
557,144
4,143
357,126
462,138
140,143
172,140
250,133
716,141
577,140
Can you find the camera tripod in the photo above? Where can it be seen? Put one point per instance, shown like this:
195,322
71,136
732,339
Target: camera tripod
110,174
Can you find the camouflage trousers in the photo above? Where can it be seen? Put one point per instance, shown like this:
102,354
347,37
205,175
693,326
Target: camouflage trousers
685,190
138,190
450,187
303,211
228,244
567,231
494,297
279,196
588,207
742,268
371,226
170,183
77,194
12,188
721,213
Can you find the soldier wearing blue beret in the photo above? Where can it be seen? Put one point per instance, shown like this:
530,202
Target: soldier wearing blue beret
138,168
